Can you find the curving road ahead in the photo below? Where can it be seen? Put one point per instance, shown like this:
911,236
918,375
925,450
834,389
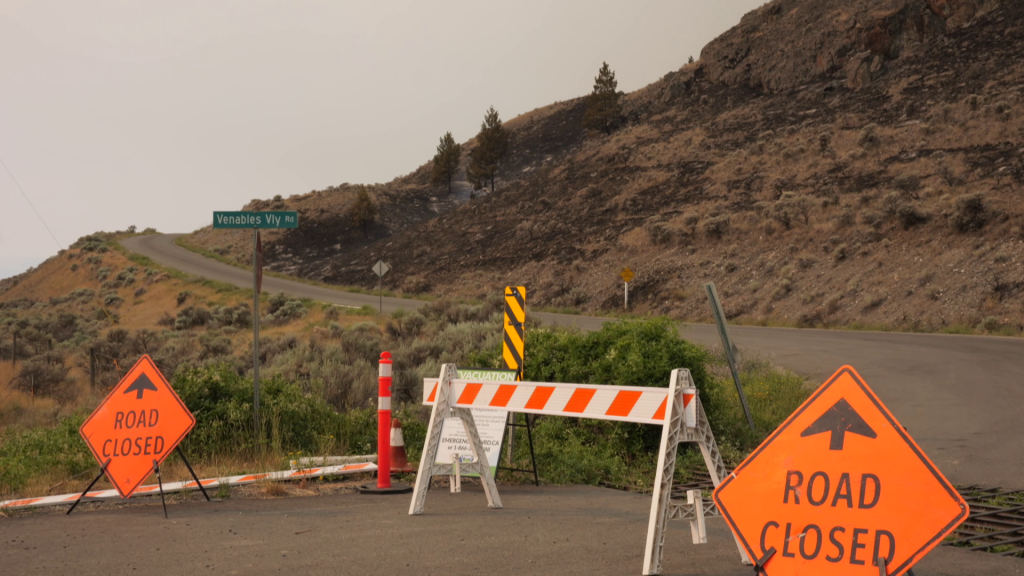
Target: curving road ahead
961,397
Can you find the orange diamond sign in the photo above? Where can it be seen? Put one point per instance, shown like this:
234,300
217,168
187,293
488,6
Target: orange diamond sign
837,487
138,424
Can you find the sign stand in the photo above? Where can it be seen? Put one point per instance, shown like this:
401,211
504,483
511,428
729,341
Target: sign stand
156,470
160,483
103,469
882,568
513,356
444,408
192,472
759,565
510,427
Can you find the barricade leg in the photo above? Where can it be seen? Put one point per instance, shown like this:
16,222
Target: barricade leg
713,460
670,436
484,469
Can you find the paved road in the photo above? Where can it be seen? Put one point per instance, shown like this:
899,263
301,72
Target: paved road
548,530
961,397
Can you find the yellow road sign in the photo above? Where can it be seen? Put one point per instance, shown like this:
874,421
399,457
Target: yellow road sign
515,318
627,275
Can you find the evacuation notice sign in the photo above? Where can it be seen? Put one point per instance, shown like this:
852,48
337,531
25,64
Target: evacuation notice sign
490,423
838,486
136,426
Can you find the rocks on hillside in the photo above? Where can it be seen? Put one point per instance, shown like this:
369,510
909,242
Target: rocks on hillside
788,43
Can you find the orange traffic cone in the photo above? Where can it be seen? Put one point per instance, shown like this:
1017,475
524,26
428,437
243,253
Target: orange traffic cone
399,460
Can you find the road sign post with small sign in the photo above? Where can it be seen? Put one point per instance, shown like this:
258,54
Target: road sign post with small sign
380,269
136,426
627,277
256,221
839,488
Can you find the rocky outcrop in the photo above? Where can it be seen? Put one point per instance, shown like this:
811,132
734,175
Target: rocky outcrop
789,43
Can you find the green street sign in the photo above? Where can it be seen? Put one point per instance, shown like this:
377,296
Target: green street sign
256,220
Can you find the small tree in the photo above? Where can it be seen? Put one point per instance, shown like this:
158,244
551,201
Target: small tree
446,161
489,154
603,108
363,211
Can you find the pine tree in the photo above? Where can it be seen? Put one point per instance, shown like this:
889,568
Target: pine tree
603,108
363,211
489,154
446,161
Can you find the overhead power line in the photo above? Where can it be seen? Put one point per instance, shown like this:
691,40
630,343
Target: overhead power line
38,215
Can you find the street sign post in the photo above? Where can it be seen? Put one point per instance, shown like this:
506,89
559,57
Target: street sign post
256,221
380,269
136,426
728,349
839,488
627,277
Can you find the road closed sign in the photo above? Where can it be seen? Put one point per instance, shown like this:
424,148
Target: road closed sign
838,486
136,426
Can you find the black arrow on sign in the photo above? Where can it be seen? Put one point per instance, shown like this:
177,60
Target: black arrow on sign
839,419
141,384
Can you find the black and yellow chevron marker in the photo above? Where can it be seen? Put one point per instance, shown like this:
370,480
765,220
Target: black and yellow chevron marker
513,346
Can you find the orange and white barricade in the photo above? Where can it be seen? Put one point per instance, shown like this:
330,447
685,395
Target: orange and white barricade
676,408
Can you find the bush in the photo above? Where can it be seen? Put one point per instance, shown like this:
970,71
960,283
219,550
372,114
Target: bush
112,299
45,376
910,216
221,401
716,227
869,137
27,453
191,317
970,213
284,309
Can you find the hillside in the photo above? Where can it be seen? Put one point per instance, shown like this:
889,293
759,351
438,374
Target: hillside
825,163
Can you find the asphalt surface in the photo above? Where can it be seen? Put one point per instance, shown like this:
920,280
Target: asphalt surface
547,530
961,397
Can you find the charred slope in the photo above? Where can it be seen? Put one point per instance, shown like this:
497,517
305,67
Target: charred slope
825,162
798,201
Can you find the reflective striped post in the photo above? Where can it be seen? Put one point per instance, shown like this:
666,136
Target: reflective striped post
384,422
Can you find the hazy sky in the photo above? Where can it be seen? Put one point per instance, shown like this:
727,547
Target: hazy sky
115,113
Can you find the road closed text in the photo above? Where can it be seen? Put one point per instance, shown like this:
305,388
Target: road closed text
853,544
135,439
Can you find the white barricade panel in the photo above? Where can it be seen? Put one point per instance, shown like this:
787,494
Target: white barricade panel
604,402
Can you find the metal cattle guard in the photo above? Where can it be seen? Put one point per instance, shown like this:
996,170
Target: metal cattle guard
676,408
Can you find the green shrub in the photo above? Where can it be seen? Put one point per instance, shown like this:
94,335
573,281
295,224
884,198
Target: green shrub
26,453
222,401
